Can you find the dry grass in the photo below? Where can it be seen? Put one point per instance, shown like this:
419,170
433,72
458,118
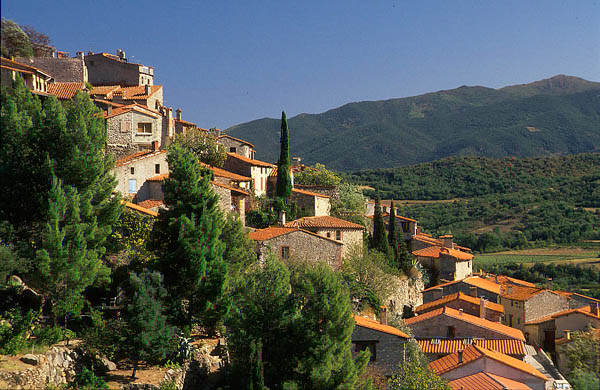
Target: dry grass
13,363
152,375
554,251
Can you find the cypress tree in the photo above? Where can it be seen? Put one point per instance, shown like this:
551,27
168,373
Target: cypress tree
379,240
186,238
392,235
284,179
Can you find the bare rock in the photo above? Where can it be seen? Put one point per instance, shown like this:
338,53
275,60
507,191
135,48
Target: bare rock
30,359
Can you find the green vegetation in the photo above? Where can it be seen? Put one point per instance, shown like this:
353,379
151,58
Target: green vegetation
558,115
583,356
284,175
317,175
15,41
204,145
414,374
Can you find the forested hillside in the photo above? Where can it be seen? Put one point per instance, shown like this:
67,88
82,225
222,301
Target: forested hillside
499,203
557,115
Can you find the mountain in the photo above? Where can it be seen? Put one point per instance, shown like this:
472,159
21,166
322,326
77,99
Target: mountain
560,115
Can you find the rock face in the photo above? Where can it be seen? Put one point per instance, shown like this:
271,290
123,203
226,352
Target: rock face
406,296
30,359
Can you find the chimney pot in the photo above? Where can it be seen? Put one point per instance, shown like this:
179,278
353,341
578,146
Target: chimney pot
460,311
549,284
448,241
460,355
178,114
383,315
282,218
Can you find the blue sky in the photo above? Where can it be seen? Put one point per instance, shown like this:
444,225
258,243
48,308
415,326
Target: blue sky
228,62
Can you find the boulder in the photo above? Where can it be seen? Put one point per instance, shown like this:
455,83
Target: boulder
107,364
30,359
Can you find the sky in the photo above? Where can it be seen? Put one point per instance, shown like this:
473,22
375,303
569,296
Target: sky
229,62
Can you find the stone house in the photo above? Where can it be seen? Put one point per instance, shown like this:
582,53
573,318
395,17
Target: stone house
450,323
545,330
469,304
472,285
310,203
451,264
474,360
386,343
438,348
110,69
62,69
350,234
236,145
131,128
487,381
36,80
133,171
222,176
66,90
257,170
524,304
293,244
150,96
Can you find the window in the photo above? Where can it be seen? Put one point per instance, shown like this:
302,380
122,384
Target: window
338,235
156,168
285,252
144,127
518,320
328,234
132,186
451,332
132,170
232,149
360,346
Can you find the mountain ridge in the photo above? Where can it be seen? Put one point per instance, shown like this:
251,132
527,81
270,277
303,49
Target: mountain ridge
560,114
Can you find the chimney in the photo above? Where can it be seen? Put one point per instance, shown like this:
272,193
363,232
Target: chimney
383,315
178,114
154,146
108,109
460,311
460,356
594,309
296,161
509,289
147,89
79,54
567,334
473,291
448,241
281,218
121,54
482,308
549,284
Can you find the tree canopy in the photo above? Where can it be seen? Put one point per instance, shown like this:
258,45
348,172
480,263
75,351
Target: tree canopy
204,144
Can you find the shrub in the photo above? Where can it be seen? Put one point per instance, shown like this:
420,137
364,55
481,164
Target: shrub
87,380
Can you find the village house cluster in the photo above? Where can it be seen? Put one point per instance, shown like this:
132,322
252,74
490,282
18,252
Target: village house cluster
491,330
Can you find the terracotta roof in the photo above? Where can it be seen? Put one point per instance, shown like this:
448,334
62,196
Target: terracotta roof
151,203
437,251
185,122
304,192
474,352
270,232
448,346
140,209
138,156
250,161
459,296
324,221
65,91
480,322
104,89
235,139
586,311
427,239
570,294
132,107
375,325
108,102
473,281
219,172
117,58
397,217
160,177
486,381
503,279
521,293
236,189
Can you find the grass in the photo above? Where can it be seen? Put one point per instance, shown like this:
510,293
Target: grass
558,254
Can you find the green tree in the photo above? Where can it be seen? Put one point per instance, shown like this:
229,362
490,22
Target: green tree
349,204
204,145
583,359
148,336
379,240
284,179
14,40
186,238
413,374
317,175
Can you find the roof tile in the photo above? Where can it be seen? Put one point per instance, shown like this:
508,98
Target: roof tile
459,296
375,325
324,221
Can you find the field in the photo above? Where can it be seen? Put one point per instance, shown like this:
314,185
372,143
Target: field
586,256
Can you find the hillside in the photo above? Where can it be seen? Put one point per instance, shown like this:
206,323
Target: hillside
498,203
558,115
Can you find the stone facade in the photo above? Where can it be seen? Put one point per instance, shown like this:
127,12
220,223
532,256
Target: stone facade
462,286
443,326
573,322
134,173
258,171
108,69
518,312
128,132
61,69
388,350
448,267
234,145
311,205
303,246
349,237
470,308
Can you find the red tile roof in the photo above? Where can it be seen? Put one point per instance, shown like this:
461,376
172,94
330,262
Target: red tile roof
459,296
235,189
219,172
151,203
20,67
160,177
447,346
137,92
324,221
507,280
185,122
140,209
309,193
276,231
521,293
138,156
132,107
437,251
474,352
473,320
104,90
250,161
486,381
473,281
375,325
65,91
235,139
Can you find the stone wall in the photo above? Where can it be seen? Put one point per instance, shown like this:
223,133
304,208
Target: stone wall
240,148
123,137
224,195
469,308
143,169
303,247
437,327
106,71
61,69
407,294
465,288
389,349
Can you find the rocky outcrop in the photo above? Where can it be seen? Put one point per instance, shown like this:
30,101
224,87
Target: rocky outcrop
406,296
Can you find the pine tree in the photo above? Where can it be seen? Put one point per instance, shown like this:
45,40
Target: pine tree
186,238
148,337
257,379
379,240
284,179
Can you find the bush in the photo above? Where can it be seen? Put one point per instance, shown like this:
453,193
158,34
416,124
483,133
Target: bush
87,380
14,331
52,335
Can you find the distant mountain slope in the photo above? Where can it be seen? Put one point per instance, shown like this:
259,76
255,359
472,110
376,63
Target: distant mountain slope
556,115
